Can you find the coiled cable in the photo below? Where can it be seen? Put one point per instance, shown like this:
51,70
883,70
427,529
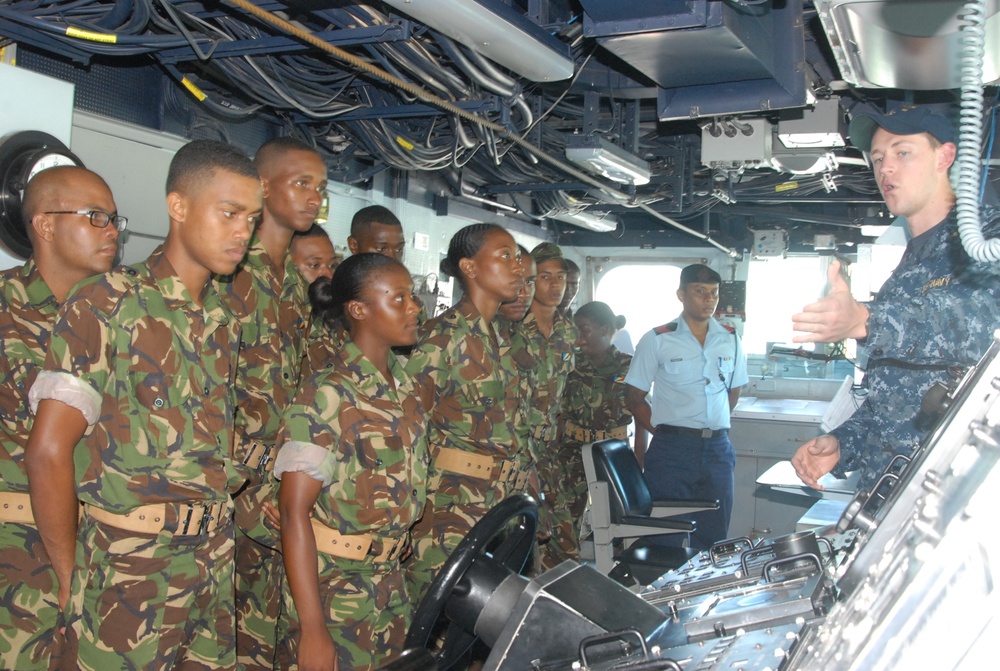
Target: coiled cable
970,137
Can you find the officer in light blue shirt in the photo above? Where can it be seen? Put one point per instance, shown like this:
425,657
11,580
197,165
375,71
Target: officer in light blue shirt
696,368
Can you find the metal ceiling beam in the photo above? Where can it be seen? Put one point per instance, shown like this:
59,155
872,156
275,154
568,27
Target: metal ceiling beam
393,32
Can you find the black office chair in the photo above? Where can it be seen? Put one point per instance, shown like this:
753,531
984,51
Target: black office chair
621,509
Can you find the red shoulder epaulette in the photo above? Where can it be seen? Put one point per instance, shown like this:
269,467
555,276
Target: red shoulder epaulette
666,328
728,328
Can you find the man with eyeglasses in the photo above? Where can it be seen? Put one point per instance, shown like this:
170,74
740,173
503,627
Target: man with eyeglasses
73,226
268,296
134,419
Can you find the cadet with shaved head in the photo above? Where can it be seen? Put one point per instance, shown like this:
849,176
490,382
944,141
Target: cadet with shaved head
137,390
73,225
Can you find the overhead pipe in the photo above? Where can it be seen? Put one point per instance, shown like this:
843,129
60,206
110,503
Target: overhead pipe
611,193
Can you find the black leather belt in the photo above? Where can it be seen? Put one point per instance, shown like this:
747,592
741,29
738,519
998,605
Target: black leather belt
689,432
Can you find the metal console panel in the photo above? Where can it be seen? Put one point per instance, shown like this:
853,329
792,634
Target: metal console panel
922,586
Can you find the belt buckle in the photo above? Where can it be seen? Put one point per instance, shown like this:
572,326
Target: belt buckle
707,433
206,517
183,529
508,476
265,459
396,545
203,524
249,457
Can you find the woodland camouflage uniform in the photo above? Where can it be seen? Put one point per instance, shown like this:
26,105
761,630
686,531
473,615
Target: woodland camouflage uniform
152,372
365,442
322,344
468,394
274,315
29,612
593,403
543,364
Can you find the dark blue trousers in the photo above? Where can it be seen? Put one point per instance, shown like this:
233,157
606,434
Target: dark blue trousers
683,467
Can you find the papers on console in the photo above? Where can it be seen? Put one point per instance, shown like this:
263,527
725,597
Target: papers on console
782,477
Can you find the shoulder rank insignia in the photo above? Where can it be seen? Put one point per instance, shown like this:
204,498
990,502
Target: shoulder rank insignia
666,328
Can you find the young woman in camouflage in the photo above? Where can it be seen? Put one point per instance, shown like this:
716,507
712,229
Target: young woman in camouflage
593,407
353,470
468,390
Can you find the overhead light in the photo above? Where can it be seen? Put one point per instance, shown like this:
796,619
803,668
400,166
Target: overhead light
600,222
600,156
904,45
810,128
804,163
496,31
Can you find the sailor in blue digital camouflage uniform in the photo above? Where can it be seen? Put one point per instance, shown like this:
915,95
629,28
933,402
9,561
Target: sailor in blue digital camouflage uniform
933,318
697,368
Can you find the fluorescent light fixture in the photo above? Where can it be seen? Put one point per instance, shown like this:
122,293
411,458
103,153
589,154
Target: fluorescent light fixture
804,163
911,44
811,128
602,222
496,31
600,156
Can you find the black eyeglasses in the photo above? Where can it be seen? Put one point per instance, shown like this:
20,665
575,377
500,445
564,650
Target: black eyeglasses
98,218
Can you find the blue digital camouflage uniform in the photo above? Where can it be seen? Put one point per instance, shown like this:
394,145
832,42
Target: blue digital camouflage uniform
593,408
467,389
937,311
152,372
364,440
544,364
29,611
274,316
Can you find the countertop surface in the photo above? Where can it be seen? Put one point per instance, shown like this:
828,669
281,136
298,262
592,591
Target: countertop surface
780,409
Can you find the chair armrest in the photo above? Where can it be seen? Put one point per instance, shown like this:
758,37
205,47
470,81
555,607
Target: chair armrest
705,504
674,507
656,523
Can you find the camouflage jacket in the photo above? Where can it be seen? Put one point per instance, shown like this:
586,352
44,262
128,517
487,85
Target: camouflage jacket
27,312
543,365
153,373
937,311
595,396
274,316
323,341
349,429
465,385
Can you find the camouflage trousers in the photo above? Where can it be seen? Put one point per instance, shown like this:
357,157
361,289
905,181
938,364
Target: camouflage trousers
259,577
367,614
449,515
143,602
565,499
30,617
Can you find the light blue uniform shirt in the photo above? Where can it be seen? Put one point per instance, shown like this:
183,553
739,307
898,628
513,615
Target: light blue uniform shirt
689,381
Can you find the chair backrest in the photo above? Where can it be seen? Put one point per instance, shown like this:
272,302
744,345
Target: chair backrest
615,464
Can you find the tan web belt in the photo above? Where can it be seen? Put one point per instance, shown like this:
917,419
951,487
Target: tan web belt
193,519
357,546
582,435
506,471
259,457
16,507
